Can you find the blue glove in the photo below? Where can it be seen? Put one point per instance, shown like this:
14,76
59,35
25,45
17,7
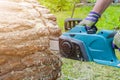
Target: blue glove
90,20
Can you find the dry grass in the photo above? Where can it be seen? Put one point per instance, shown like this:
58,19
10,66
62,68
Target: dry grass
76,70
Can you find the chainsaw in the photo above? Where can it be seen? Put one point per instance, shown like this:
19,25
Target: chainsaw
87,45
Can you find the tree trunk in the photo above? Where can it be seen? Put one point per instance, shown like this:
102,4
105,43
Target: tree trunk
25,32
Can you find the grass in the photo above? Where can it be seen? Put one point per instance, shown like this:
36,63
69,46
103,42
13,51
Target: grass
76,70
67,14
109,20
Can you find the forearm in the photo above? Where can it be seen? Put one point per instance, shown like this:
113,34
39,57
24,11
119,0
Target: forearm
101,5
96,12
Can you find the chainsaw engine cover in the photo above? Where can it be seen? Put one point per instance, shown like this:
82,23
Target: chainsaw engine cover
78,44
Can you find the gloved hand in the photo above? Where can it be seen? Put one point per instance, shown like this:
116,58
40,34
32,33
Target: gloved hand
90,20
116,41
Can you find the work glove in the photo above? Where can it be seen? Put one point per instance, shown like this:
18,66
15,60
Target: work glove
90,20
116,40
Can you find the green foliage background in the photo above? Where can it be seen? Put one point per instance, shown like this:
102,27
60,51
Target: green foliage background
58,5
109,20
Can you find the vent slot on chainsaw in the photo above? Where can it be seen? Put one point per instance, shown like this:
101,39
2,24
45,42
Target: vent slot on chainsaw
71,22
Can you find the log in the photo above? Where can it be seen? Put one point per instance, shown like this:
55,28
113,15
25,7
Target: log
26,28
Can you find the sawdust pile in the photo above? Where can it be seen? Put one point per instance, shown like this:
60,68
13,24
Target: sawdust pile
25,31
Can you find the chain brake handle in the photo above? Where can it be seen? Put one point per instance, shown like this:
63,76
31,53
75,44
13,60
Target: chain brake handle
69,23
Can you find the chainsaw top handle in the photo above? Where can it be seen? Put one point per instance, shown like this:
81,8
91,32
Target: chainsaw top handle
72,22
